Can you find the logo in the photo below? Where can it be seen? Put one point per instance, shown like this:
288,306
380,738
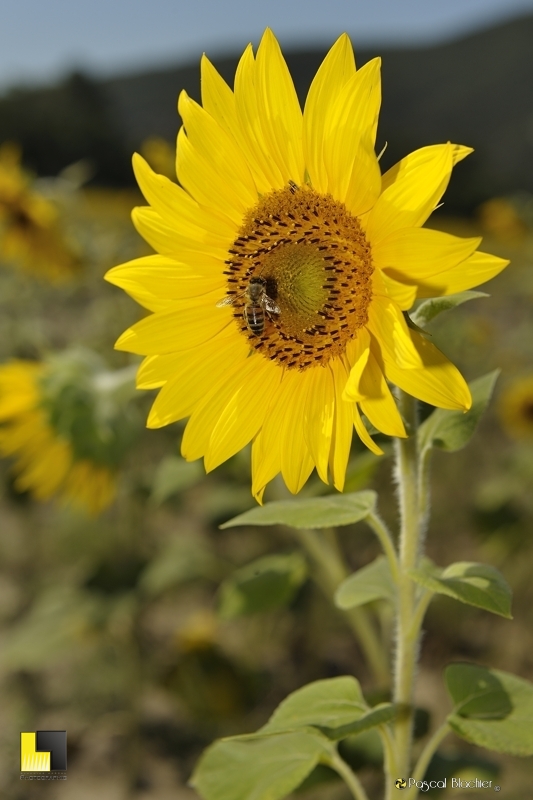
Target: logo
401,783
43,752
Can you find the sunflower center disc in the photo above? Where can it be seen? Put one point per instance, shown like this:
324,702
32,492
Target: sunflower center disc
316,269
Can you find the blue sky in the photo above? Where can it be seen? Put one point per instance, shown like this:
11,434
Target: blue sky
42,39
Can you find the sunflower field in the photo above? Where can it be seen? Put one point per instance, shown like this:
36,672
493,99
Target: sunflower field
131,615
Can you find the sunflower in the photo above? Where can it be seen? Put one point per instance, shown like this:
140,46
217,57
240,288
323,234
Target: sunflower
52,427
516,408
30,233
285,263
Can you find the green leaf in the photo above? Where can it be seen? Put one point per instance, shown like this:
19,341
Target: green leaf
335,705
429,309
269,582
451,430
330,703
314,512
477,585
174,475
493,709
259,767
378,715
373,582
477,692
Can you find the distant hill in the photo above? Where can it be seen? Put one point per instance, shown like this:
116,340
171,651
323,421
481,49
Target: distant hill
477,91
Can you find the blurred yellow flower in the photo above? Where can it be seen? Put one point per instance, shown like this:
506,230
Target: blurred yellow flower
516,408
57,436
160,156
286,261
500,217
29,227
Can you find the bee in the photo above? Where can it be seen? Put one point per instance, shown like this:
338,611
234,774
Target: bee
258,305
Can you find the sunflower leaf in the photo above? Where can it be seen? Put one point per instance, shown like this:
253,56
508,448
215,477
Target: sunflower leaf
378,715
265,584
452,430
477,585
329,703
429,309
493,709
312,512
265,767
334,705
373,582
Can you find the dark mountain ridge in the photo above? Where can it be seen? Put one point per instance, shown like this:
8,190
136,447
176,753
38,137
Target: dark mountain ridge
476,91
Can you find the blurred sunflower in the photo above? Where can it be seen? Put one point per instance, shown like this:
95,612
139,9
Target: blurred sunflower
516,408
286,261
61,424
29,225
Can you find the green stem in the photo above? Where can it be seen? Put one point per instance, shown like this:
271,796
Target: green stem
331,571
383,534
424,488
426,755
419,613
407,639
349,777
389,750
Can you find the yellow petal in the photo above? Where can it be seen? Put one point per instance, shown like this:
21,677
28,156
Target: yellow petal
169,331
280,109
438,383
243,416
189,246
178,209
281,443
336,69
364,434
189,376
266,449
156,281
365,180
216,148
296,460
318,419
352,120
377,402
357,352
478,269
403,294
246,101
219,101
411,254
266,464
343,426
208,411
414,186
206,184
386,322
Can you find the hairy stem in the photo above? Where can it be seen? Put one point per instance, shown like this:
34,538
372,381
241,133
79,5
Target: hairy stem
407,638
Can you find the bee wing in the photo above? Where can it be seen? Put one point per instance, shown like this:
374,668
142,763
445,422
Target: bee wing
271,306
226,301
